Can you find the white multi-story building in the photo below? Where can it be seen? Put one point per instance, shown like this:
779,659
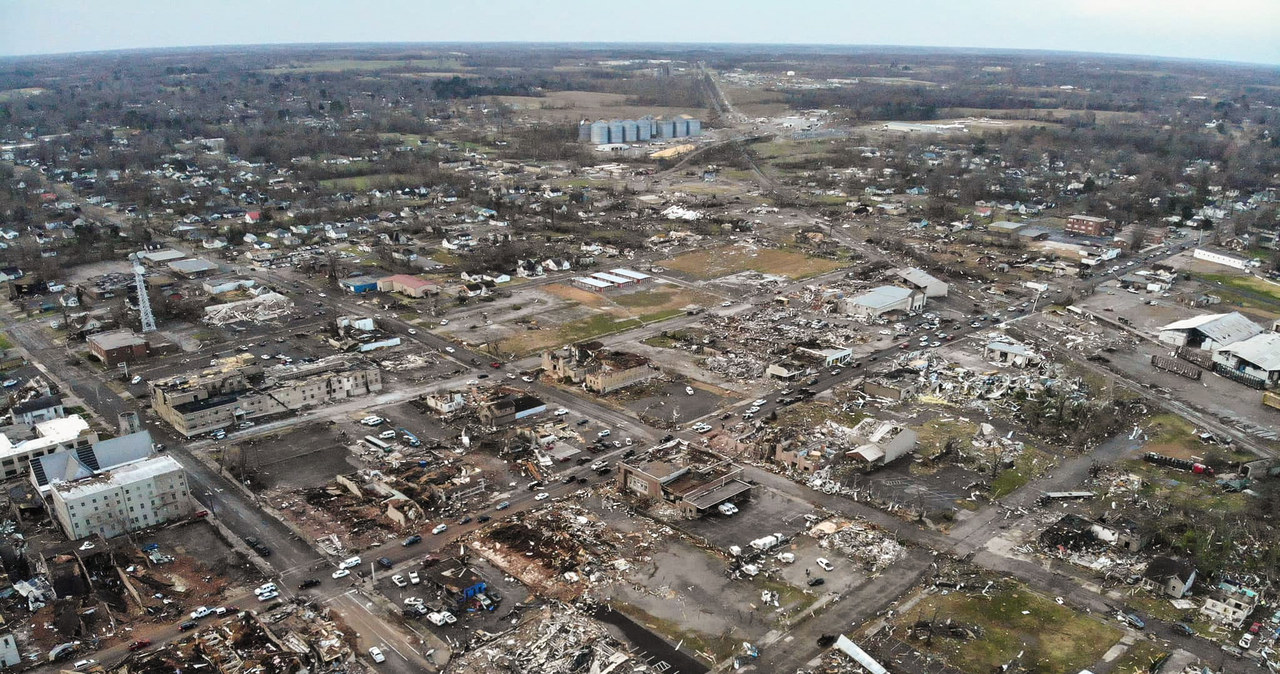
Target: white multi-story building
18,447
135,496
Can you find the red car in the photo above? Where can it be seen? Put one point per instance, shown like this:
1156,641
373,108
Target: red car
1253,629
495,365
139,644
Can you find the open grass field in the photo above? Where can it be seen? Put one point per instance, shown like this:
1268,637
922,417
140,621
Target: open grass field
613,313
1040,114
560,106
1012,619
369,65
597,325
16,94
363,183
757,102
1247,283
717,262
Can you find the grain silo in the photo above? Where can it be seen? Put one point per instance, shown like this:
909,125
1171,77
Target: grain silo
695,127
599,132
644,128
615,131
630,131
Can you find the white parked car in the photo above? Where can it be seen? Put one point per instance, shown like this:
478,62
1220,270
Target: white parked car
445,321
413,601
349,563
605,433
268,596
341,573
824,564
449,349
542,496
399,580
412,331
200,612
440,528
376,654
561,412
265,588
688,390
413,577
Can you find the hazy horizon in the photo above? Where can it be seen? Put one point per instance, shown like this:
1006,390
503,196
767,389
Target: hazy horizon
1241,31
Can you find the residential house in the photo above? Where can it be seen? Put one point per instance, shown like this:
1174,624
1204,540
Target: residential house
1168,576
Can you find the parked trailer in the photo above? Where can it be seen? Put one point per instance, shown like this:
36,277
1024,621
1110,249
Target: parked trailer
1270,399
376,443
1183,464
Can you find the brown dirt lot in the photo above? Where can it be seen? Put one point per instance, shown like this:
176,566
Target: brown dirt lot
638,303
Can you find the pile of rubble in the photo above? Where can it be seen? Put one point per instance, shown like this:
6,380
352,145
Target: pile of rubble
265,307
735,365
407,361
561,552
859,541
556,639
286,641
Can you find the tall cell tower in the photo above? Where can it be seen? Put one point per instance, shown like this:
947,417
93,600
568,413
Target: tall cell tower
144,302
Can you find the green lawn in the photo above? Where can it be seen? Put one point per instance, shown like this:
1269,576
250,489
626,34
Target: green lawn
1249,283
365,183
1013,620
1030,464
1139,658
5,343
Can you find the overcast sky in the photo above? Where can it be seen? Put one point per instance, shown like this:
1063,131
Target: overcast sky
1231,30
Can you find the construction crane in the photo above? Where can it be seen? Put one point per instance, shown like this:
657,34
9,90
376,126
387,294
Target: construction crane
144,303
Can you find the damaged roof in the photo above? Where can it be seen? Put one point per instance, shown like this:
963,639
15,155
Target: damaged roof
1221,328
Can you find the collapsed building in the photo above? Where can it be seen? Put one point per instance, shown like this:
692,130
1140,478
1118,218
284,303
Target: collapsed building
290,640
554,639
509,407
361,334
237,389
694,481
871,442
265,307
598,369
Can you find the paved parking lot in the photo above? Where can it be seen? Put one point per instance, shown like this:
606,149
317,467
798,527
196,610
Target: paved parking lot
844,576
767,512
307,456
670,402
